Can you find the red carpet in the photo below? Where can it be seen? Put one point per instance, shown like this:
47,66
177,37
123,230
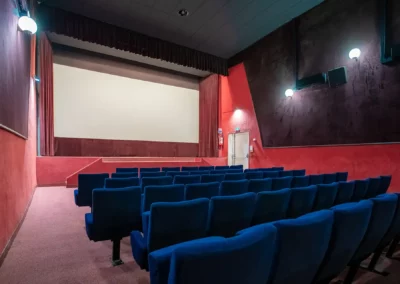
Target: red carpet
52,247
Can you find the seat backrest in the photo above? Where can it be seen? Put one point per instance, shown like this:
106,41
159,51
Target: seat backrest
127,170
235,176
152,174
342,176
253,175
121,182
329,178
345,191
147,170
271,206
206,168
187,179
199,173
394,228
173,174
382,215
301,247
316,179
234,171
189,169
86,184
233,187
124,175
326,195
171,169
230,214
350,224
236,167
384,185
201,190
301,201
244,258
212,178
299,173
116,211
285,173
360,190
146,181
162,193
373,187
221,168
218,172
300,181
277,168
257,185
270,174
281,183
175,222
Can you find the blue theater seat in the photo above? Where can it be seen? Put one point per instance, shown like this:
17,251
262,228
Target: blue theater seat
342,176
187,179
285,173
152,174
234,171
326,195
124,175
252,170
189,169
148,170
299,173
350,224
254,175
127,170
235,176
206,168
200,173
345,192
171,169
201,190
373,187
86,184
147,181
221,168
384,185
301,247
382,215
257,185
230,214
277,168
270,174
316,179
173,174
236,167
121,182
329,178
162,193
271,206
115,213
301,201
218,172
281,183
233,187
212,178
360,190
169,223
300,181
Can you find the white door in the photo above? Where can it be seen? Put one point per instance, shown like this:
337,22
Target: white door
238,149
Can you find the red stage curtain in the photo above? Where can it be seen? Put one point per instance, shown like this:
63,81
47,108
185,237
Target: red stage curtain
208,128
46,97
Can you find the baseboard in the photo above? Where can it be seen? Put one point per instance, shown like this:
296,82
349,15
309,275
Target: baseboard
6,249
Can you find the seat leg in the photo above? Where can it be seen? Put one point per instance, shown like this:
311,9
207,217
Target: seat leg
375,258
392,247
116,258
351,274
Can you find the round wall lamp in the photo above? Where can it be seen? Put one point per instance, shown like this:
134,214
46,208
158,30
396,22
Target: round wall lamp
289,93
26,23
355,53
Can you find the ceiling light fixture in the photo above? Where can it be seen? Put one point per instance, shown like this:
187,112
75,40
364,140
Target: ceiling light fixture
183,12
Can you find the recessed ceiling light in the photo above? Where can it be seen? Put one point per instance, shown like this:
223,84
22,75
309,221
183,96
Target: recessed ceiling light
183,12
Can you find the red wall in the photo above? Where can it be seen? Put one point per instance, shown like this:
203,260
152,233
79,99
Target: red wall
360,161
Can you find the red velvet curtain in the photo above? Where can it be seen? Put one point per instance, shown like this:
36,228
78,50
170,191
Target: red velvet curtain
46,97
208,128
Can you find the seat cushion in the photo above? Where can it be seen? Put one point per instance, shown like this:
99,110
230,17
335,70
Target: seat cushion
76,195
139,249
89,225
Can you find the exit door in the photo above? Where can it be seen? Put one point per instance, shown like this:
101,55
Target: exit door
238,149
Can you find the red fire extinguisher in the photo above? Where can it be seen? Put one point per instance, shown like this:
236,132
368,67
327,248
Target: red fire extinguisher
220,137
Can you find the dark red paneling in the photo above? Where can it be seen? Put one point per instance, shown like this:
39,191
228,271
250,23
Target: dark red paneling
119,148
360,161
15,71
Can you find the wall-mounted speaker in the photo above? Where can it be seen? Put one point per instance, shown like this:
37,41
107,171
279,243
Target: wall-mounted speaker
319,78
337,77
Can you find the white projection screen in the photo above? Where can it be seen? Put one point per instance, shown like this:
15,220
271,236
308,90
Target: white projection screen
89,104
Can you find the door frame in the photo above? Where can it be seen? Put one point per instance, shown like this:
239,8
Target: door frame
233,149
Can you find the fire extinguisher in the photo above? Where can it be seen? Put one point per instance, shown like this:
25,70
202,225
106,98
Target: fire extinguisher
220,137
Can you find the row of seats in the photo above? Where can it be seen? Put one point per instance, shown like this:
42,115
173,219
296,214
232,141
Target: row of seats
192,168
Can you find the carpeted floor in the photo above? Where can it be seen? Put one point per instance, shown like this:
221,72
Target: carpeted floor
52,247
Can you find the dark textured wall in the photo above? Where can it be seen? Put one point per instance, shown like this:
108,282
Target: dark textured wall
365,110
15,71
